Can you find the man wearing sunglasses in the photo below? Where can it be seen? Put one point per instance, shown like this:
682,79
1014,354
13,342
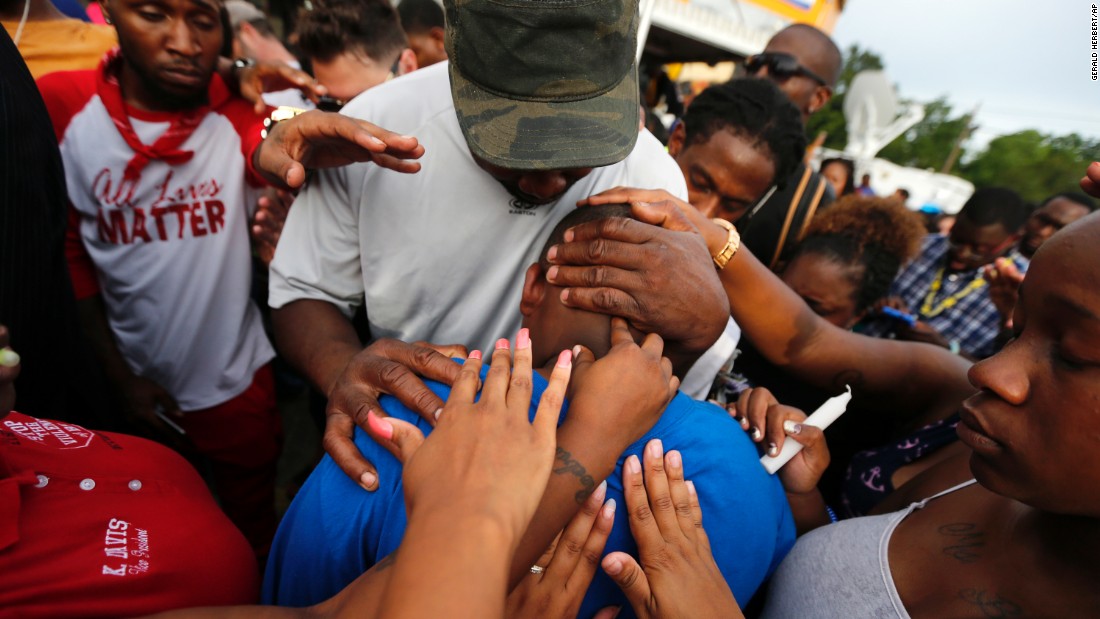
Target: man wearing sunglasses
805,64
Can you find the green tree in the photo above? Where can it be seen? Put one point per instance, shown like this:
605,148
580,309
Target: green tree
928,143
830,118
1033,164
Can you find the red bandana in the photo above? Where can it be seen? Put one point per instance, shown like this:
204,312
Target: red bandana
166,148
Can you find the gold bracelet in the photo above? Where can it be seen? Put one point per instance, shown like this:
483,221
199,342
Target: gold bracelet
733,243
278,115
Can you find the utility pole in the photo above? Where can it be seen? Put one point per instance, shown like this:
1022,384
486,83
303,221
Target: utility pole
956,150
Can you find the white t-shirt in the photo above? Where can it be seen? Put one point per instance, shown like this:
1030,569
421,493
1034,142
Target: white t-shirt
438,255
171,258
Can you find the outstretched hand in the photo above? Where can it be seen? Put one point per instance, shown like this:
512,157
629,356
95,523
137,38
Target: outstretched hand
559,579
326,140
675,575
265,76
484,456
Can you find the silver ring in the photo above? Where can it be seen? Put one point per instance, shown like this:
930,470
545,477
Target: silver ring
537,569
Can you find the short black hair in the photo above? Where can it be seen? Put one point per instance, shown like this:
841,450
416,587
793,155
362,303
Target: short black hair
754,109
420,16
334,27
1072,196
996,205
579,216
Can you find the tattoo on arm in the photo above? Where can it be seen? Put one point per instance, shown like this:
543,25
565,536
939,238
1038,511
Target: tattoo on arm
967,540
572,467
991,604
386,562
851,377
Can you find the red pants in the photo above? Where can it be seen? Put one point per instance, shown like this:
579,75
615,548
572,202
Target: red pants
241,438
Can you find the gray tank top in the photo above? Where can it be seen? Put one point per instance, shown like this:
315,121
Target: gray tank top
842,570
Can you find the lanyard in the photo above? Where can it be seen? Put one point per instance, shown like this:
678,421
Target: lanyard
927,310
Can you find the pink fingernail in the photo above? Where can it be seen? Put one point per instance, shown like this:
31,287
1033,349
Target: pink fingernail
380,426
576,351
565,359
552,252
476,354
551,273
523,339
691,487
502,344
609,509
568,236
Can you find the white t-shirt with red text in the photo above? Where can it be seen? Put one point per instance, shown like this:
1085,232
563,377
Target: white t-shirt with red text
169,253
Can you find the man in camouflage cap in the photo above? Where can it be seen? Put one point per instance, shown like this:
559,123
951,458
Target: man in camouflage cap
537,109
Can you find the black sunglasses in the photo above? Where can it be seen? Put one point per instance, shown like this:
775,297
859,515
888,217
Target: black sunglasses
782,66
330,104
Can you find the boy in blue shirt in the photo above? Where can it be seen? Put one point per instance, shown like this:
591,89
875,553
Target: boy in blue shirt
334,531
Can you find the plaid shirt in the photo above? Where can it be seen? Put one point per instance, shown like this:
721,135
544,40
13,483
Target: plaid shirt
973,321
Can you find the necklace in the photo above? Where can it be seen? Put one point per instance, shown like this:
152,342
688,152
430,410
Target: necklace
22,22
928,310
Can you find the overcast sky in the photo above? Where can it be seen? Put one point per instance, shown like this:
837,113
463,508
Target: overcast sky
1027,62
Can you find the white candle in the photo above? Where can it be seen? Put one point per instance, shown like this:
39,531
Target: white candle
829,412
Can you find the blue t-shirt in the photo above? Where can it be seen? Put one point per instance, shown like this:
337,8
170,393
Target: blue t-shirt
334,530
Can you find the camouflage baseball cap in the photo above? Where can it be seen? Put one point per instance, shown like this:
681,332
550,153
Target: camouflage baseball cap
545,84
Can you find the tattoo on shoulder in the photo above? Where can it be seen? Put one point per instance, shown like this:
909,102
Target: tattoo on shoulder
966,541
566,465
991,604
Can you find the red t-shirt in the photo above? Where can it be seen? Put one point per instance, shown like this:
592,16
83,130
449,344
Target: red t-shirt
95,524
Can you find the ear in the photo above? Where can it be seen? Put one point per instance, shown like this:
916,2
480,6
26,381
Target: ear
676,140
821,96
534,290
406,62
438,35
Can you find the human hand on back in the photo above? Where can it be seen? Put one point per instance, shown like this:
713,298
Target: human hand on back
485,456
385,366
675,574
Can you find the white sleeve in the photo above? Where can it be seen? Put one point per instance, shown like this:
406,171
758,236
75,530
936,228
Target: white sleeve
318,253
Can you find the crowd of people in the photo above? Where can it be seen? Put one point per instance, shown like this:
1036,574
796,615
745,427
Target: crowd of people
414,185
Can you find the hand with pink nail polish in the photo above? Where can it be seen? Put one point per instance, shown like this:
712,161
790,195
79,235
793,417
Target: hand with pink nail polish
675,574
557,589
472,487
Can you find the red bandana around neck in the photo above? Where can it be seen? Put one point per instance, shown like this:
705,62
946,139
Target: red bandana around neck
166,148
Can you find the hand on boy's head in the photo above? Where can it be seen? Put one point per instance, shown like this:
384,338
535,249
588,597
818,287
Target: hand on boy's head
622,395
661,279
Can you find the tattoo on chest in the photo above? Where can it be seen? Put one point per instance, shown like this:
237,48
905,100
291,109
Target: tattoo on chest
966,541
565,464
991,604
